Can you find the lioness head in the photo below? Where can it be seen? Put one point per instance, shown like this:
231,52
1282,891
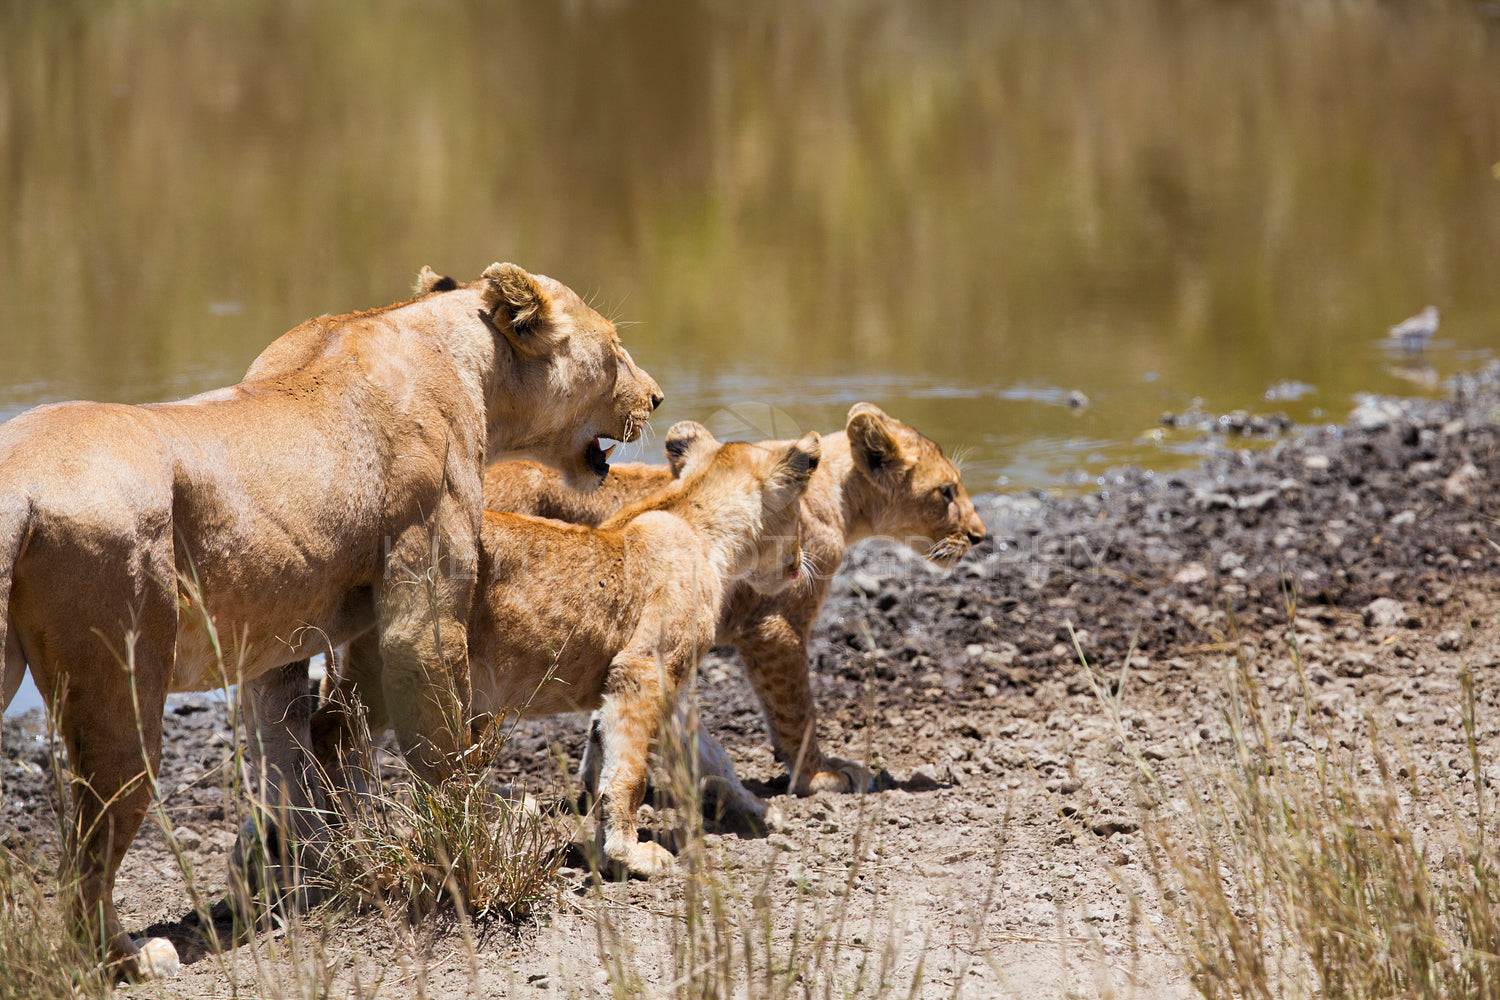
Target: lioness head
775,477
568,385
921,499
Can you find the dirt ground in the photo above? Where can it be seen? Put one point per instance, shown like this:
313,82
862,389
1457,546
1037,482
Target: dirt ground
1005,853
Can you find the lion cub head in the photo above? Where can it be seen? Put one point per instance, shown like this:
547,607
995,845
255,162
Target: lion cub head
917,495
560,352
721,477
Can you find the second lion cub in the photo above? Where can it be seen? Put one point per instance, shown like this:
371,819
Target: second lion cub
570,618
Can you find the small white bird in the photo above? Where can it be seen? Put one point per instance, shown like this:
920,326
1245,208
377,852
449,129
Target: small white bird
1414,332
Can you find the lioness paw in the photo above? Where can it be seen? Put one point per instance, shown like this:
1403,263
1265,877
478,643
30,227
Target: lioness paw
157,960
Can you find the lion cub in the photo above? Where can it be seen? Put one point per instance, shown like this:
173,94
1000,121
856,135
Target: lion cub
878,477
570,618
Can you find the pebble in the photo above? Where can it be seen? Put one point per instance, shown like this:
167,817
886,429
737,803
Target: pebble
1384,612
1190,574
187,839
1316,463
1460,485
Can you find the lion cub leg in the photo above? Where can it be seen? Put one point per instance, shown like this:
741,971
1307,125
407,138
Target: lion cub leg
775,655
628,721
724,797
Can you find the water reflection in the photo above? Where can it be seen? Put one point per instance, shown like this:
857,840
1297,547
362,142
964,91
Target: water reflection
961,211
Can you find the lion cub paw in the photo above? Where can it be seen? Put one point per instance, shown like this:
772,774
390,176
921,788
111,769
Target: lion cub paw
841,776
645,859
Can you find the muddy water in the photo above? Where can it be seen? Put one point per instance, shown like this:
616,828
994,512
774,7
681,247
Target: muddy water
965,212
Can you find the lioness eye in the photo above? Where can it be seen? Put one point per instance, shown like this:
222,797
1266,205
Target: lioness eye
948,493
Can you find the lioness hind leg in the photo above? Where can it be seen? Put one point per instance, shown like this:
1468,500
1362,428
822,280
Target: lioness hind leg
108,706
775,655
628,722
14,664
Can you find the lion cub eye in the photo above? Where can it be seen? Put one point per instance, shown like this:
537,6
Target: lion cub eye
947,492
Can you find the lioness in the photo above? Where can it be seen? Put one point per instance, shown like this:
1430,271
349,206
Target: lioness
878,477
571,618
334,491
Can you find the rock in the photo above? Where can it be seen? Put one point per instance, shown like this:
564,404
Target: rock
1316,463
1374,414
187,839
1384,612
1104,826
1460,486
1190,574
923,779
1257,501
1357,665
1450,640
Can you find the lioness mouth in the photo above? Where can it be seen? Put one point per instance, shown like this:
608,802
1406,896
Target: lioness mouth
597,456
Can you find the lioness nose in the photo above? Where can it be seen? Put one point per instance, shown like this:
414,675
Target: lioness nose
656,398
976,535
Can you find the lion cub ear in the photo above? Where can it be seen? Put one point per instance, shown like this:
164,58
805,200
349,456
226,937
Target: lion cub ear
792,470
517,304
429,281
876,450
689,446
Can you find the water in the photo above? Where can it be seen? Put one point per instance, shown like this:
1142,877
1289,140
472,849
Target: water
963,212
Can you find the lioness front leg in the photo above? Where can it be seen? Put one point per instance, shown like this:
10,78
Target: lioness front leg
288,827
775,655
628,721
421,614
338,743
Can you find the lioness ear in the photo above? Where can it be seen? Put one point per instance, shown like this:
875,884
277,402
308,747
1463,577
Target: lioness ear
793,468
875,449
429,281
515,300
689,445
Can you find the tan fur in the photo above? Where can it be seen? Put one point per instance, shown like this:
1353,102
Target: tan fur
569,617
334,491
878,477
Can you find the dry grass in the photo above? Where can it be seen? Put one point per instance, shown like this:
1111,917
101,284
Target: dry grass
1307,863
1339,879
720,936
490,853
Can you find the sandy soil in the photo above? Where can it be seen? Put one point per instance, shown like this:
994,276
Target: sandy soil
1005,852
